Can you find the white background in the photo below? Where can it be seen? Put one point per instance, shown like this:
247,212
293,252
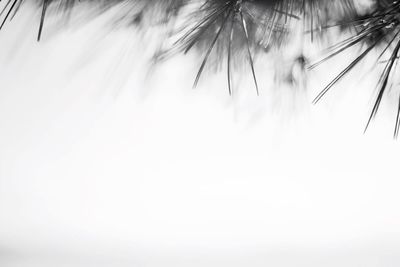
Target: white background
105,164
